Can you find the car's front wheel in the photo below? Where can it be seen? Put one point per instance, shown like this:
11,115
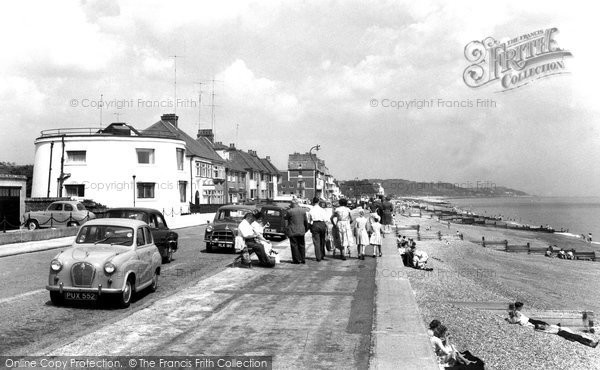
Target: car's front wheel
126,294
56,298
32,225
73,223
209,247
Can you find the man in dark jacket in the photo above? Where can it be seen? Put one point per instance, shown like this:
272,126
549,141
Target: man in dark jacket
296,227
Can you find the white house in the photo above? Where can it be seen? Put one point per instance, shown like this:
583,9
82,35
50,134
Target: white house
116,166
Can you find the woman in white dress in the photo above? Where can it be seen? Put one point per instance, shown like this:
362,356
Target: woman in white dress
341,219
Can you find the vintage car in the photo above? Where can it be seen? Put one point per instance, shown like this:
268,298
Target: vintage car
222,232
274,218
165,239
59,214
109,257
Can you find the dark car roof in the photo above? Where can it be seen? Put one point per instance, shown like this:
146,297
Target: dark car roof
239,206
137,209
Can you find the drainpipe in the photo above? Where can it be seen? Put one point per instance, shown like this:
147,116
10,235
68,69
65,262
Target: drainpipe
62,168
191,180
50,169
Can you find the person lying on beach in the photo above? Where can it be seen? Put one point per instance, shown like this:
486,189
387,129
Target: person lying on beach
549,252
570,255
446,352
561,254
515,316
568,334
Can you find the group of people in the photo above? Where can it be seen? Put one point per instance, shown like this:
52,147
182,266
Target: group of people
516,316
366,229
554,252
411,256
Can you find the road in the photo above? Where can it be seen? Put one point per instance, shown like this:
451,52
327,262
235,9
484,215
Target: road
29,322
318,315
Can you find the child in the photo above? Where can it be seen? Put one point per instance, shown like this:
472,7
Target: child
375,239
362,238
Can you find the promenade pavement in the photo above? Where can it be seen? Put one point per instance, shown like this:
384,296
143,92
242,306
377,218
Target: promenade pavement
329,314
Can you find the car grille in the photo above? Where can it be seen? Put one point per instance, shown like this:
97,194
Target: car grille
82,274
223,236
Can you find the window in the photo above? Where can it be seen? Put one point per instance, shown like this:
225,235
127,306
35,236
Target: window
182,192
251,175
140,237
216,172
55,207
243,176
300,173
75,156
68,208
145,156
147,235
262,177
204,169
10,192
145,190
180,153
197,168
75,190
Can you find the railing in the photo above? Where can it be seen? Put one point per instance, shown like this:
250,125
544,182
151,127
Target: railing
95,131
67,221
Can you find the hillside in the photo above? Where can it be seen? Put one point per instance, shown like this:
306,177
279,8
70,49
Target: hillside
402,187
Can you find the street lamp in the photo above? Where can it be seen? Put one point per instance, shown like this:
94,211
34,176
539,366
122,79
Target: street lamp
316,147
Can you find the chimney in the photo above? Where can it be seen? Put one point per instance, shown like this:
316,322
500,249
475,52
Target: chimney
207,133
231,146
252,152
171,118
268,158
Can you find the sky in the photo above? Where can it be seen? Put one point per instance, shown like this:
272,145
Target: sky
292,74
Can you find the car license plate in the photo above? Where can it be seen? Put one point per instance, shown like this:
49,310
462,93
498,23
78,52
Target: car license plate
270,230
80,296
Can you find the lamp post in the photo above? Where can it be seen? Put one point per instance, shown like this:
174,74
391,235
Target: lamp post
316,147
133,190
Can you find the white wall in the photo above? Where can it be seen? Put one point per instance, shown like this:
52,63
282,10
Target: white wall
111,161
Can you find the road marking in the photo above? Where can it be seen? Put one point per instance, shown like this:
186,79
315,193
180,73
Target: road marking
19,296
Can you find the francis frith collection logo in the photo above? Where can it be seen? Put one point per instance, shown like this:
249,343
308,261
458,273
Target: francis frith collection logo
516,62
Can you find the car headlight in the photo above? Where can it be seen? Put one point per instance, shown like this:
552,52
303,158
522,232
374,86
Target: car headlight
55,265
109,268
209,229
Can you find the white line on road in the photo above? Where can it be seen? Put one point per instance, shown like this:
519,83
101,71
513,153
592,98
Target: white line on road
19,296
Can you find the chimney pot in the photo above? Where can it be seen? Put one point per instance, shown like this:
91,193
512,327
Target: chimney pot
232,145
172,118
207,133
268,158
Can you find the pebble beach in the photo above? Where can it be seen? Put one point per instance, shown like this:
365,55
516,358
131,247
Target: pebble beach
468,279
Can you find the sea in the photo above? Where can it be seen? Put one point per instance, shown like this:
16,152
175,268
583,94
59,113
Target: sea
580,215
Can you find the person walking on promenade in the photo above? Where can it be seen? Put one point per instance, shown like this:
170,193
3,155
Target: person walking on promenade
375,240
341,219
388,209
296,227
318,228
362,237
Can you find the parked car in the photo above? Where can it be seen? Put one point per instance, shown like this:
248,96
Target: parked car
221,233
109,256
274,218
165,239
59,214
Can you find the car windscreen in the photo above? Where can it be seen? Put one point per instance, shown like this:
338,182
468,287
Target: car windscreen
232,214
105,234
132,215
